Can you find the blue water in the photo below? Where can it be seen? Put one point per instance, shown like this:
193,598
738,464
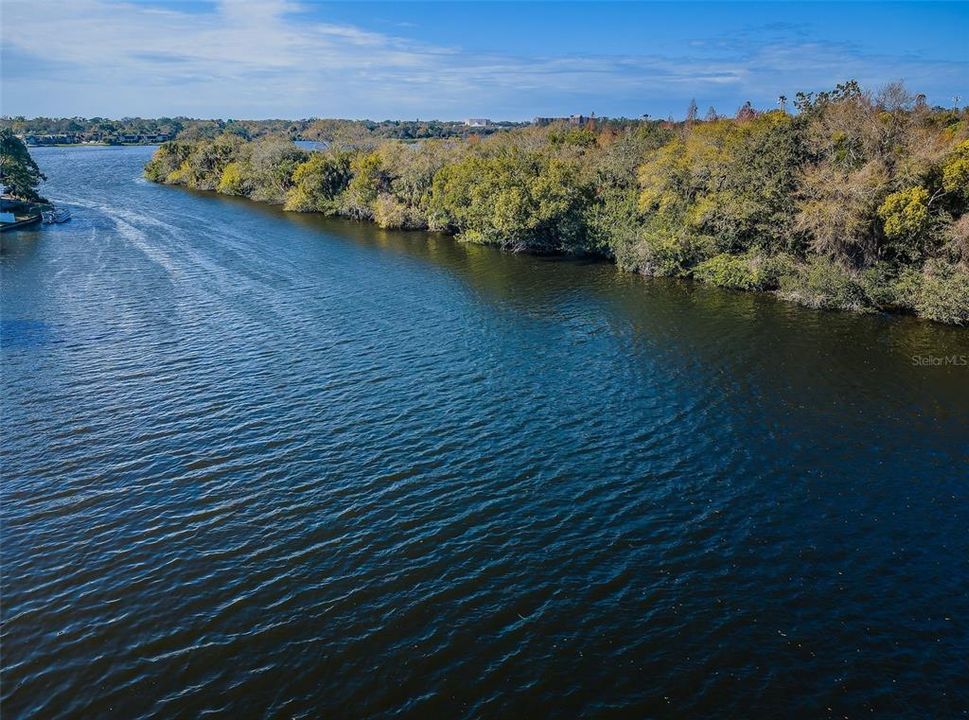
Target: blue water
259,464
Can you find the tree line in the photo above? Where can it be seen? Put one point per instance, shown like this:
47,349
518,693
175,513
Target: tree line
99,129
852,200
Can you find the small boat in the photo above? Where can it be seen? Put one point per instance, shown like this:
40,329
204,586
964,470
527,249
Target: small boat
56,215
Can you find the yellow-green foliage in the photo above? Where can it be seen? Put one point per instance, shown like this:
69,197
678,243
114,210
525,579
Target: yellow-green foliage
822,283
232,181
299,199
905,213
389,214
409,172
318,183
744,272
858,201
955,173
517,199
664,177
166,160
664,251
179,175
271,163
730,181
367,183
943,294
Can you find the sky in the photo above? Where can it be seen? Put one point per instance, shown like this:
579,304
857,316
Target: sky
438,60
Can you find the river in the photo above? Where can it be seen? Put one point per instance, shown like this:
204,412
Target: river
259,464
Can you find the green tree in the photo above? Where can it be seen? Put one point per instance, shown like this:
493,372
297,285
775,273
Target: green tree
19,173
272,162
857,201
520,201
906,220
319,182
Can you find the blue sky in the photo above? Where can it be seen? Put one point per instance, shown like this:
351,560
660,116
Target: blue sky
509,60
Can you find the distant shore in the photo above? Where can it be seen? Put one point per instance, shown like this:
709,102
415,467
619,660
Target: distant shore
96,144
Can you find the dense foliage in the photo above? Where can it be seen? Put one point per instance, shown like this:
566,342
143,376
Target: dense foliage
19,174
856,201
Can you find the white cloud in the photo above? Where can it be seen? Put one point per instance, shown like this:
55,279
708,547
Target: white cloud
261,58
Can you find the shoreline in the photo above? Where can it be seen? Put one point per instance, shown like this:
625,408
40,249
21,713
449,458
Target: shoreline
20,224
803,222
892,311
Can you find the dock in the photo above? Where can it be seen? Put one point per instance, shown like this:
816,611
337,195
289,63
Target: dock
18,223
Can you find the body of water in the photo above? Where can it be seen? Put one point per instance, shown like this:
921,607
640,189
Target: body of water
259,464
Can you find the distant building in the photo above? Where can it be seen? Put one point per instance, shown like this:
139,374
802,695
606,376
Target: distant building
477,122
53,139
35,140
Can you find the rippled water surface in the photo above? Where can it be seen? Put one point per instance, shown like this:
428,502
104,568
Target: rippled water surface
265,465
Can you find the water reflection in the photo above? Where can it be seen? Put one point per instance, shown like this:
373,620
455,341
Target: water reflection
382,473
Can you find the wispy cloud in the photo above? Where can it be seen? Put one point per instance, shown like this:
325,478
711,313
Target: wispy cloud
260,58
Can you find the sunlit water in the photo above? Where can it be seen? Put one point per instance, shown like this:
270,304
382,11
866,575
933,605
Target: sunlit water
265,465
